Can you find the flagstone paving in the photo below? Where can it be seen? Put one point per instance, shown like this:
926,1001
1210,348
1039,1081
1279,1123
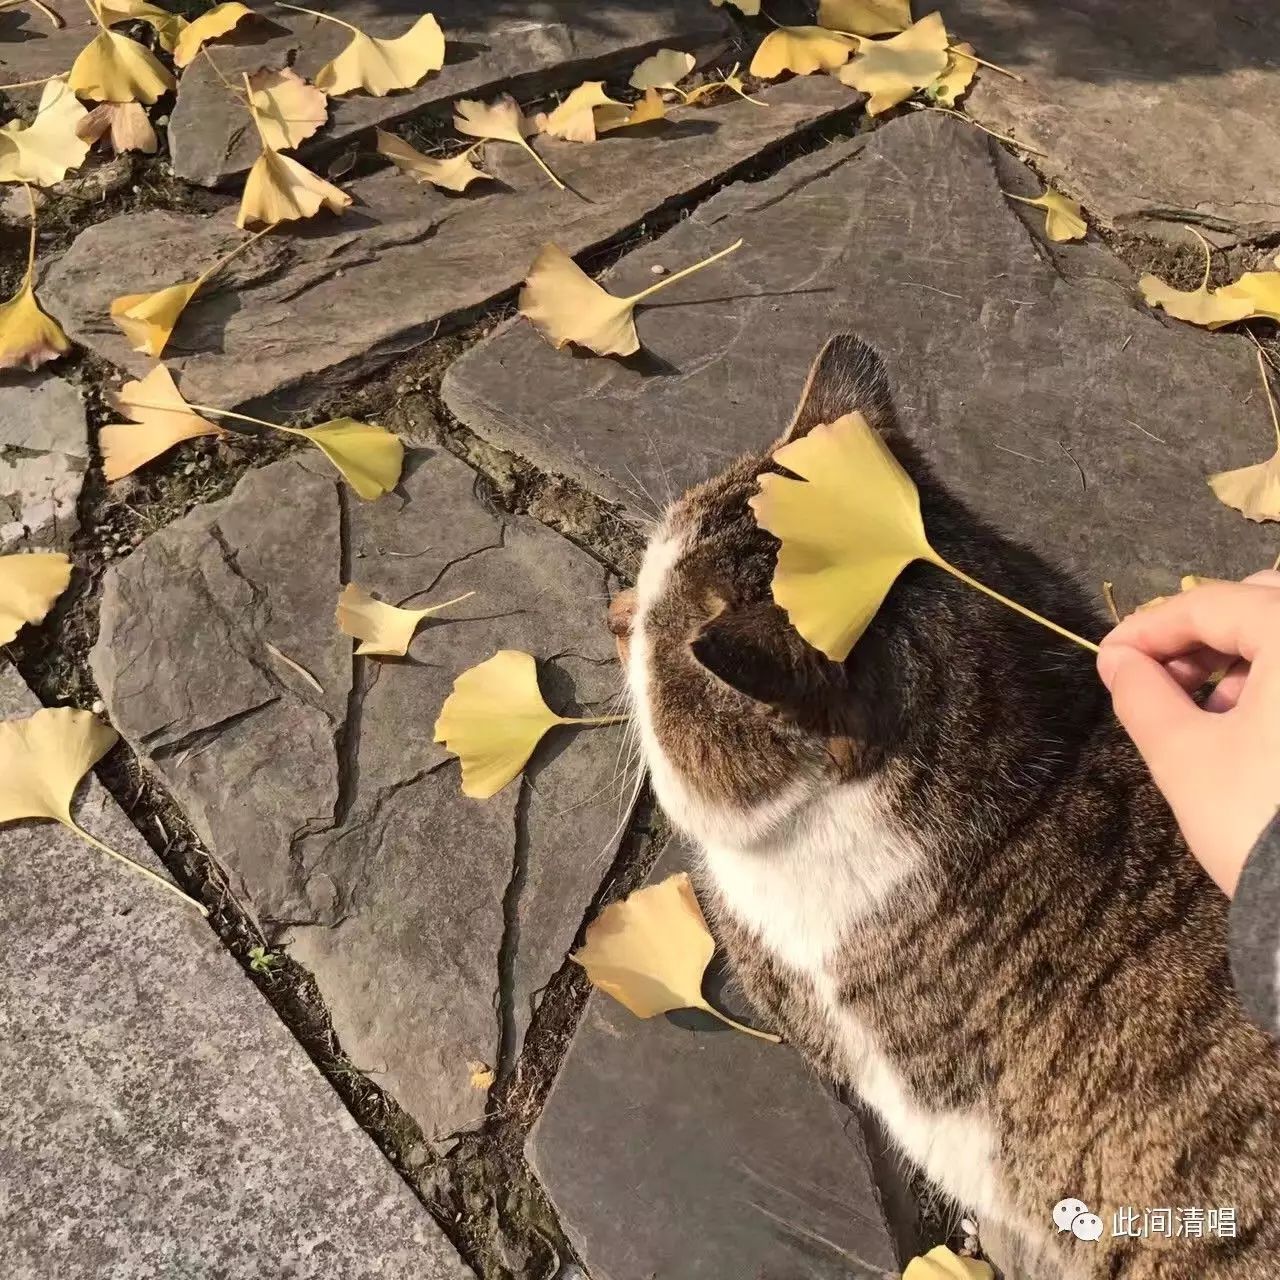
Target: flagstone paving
158,1117
297,316
1035,381
430,921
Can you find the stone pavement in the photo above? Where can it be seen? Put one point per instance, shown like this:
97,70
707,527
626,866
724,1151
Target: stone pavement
158,1119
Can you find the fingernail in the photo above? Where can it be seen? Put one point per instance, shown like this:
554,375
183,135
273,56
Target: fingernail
1108,660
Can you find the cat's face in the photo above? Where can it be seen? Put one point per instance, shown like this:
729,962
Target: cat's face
740,719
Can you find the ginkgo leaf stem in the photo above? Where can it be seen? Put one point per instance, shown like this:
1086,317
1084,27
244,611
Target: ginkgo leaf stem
1275,568
1271,402
97,15
591,719
228,413
1208,255
54,18
217,71
203,278
982,62
680,275
139,868
739,1026
253,112
327,17
991,133
444,604
30,84
542,164
31,239
1015,606
1109,596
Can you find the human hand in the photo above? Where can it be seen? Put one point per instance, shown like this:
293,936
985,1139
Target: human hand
1218,766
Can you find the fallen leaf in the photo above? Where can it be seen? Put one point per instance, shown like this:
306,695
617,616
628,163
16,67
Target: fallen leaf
848,527
452,173
126,122
42,760
279,189
285,107
44,150
148,319
651,950
385,630
1063,219
892,70
750,7
167,26
801,50
502,121
214,24
369,457
159,419
1203,306
566,305
662,70
941,1264
1260,289
29,584
494,718
113,68
956,78
29,337
648,109
380,66
865,17
574,119
482,1076
730,81
1254,491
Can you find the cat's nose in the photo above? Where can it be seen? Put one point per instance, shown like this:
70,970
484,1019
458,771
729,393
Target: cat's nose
622,612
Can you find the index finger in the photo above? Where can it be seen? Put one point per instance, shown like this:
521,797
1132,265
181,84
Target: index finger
1235,618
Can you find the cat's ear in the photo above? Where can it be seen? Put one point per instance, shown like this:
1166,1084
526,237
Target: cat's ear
847,375
756,651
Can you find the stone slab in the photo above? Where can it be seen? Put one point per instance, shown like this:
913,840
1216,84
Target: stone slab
1142,109
44,454
430,921
158,1118
490,45
703,1154
996,348
305,311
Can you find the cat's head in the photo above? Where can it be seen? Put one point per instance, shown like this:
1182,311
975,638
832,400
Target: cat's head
740,718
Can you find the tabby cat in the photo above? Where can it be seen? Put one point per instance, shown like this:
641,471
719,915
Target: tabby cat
942,871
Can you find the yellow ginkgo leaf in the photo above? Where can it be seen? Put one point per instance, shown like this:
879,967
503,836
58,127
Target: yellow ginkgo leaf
750,7
482,1075
941,1264
126,122
848,527
214,24
159,419
44,150
1204,306
42,760
648,109
29,584
28,337
286,109
662,70
731,80
502,121
574,119
1063,218
113,68
865,17
566,305
1254,491
651,950
279,189
892,70
369,457
380,66
1260,289
148,319
383,629
956,78
452,173
801,50
495,717
168,26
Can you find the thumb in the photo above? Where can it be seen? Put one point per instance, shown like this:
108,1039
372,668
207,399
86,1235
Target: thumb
1154,709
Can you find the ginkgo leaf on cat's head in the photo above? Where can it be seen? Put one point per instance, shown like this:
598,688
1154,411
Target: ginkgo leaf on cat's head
848,528
651,950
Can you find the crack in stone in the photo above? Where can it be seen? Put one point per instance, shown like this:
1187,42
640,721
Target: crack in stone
204,735
462,559
509,948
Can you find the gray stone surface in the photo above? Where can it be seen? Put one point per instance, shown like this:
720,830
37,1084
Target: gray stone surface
519,46
699,1154
31,48
44,451
993,344
305,311
1144,108
430,921
159,1120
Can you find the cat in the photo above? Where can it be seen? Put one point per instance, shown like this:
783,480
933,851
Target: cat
941,870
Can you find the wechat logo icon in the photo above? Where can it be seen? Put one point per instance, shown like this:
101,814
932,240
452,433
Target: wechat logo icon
1073,1215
